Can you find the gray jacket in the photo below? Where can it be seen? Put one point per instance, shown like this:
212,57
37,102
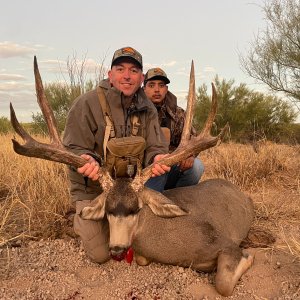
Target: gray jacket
85,127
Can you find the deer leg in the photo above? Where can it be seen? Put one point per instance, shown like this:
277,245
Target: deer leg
232,265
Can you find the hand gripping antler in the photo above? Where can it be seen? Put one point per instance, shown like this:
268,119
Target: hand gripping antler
54,151
188,145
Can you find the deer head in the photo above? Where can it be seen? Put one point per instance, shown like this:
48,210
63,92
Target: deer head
122,198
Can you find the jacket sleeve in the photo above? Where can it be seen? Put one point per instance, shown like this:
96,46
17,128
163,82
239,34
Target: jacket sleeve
82,134
155,140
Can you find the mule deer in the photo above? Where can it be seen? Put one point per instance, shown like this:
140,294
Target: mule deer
198,226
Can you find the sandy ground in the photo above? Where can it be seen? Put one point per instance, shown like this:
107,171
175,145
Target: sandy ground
59,269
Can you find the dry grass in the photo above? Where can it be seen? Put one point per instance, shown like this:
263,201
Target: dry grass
34,194
273,164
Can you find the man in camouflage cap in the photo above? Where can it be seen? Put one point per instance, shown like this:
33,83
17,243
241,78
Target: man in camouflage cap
171,119
85,132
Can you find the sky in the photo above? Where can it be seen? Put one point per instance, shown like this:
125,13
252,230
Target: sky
168,33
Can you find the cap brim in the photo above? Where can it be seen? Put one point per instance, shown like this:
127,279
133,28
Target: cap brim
126,58
158,77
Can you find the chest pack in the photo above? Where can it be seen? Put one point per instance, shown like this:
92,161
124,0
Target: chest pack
121,155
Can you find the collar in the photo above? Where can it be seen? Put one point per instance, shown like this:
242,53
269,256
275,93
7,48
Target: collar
170,101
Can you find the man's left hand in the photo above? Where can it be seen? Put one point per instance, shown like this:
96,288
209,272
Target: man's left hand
186,164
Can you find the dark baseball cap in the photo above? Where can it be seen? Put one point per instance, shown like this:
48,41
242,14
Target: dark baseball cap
156,74
127,52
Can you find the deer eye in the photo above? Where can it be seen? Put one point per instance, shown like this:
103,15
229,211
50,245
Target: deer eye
134,211
137,211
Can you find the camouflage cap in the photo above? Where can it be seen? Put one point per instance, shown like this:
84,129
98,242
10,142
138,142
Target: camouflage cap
129,53
156,73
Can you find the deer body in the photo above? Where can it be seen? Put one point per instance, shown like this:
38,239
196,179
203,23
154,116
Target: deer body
220,218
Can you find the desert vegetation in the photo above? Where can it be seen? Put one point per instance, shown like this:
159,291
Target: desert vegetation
34,196
35,202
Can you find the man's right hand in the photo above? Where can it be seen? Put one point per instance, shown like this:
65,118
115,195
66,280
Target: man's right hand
158,169
90,169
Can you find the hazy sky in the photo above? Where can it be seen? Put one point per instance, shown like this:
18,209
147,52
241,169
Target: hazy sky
169,34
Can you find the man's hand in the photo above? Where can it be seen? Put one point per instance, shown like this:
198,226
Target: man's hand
91,168
186,164
157,169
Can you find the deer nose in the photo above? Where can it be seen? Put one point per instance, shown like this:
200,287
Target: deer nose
118,251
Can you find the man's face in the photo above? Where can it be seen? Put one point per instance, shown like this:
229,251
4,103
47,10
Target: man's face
156,90
126,77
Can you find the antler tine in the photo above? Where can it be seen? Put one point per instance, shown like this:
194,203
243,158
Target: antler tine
54,151
17,127
213,111
186,133
190,147
45,107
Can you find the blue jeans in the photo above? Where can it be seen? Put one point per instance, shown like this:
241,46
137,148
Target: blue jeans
176,178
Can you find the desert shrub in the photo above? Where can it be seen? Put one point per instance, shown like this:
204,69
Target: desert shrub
250,114
5,125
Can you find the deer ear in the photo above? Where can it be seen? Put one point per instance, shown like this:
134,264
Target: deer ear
97,209
161,205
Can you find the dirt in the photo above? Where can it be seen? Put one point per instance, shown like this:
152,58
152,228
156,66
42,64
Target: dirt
59,269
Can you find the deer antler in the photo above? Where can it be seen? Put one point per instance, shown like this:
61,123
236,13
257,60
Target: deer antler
188,146
54,151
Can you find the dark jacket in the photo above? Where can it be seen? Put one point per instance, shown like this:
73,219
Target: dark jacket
85,127
172,116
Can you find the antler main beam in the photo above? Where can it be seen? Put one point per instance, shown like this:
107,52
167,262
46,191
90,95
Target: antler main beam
191,146
55,151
